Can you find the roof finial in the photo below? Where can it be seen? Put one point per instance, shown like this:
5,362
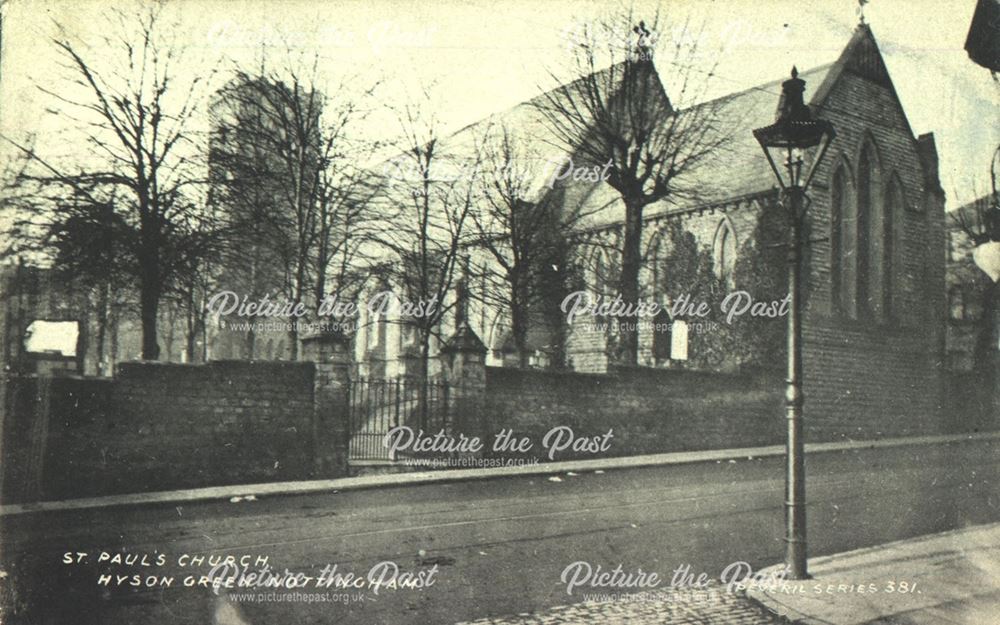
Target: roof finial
795,72
861,10
646,38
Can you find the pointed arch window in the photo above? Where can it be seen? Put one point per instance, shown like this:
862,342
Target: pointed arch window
871,237
604,271
724,252
662,336
890,245
843,243
658,265
600,273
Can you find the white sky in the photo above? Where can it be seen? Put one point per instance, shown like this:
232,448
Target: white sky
479,57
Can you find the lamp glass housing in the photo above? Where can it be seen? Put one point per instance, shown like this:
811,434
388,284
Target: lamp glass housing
790,140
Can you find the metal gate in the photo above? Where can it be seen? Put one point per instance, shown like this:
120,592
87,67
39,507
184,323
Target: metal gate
377,406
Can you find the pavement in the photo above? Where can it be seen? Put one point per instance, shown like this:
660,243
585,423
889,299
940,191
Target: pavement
948,578
240,492
710,606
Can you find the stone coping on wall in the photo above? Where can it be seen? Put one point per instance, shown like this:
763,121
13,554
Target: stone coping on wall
139,366
639,372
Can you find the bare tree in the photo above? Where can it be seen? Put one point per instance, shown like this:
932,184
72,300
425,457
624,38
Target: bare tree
20,199
84,239
528,231
980,222
347,223
433,192
289,183
90,243
618,114
127,95
197,241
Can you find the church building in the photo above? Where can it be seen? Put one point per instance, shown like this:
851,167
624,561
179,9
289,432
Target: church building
874,275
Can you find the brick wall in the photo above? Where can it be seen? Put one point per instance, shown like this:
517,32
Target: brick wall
161,426
20,399
649,410
663,410
870,378
860,384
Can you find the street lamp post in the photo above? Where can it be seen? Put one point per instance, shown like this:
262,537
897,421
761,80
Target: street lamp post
791,136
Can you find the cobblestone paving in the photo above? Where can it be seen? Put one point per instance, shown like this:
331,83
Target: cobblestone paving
712,606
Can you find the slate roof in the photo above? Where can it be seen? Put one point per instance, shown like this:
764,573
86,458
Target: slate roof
739,169
736,170
527,121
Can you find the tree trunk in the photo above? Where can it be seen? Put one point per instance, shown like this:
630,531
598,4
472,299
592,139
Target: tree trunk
422,386
149,301
113,355
293,328
149,288
519,317
250,340
102,328
519,332
521,344
319,289
171,320
557,353
195,325
629,285
203,324
293,340
190,351
191,328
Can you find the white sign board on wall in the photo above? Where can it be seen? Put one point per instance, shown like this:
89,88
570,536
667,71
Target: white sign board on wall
52,336
679,340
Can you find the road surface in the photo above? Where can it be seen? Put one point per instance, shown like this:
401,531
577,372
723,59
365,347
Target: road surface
492,548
